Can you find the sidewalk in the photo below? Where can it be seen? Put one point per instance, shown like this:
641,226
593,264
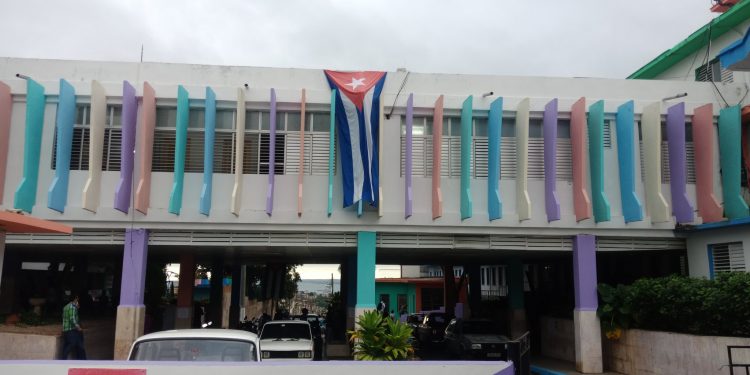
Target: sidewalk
555,367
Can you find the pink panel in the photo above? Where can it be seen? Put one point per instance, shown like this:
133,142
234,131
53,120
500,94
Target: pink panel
301,175
145,151
5,107
581,200
437,140
704,138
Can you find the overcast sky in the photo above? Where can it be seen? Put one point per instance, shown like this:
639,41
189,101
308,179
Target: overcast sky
581,38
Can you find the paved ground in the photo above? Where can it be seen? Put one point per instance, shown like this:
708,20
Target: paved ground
559,366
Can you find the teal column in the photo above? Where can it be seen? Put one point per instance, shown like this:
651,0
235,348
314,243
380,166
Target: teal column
730,147
632,210
57,195
494,200
365,271
25,196
466,117
183,111
596,160
208,152
331,149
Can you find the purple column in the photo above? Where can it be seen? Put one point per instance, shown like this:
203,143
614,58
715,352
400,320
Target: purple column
272,155
584,272
408,197
550,156
681,208
129,115
134,267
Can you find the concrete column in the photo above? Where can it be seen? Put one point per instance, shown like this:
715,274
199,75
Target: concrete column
588,336
365,272
185,308
475,289
2,255
236,297
131,312
349,288
216,297
516,298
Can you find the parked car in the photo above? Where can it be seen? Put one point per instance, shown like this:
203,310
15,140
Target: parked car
317,329
475,339
432,329
286,340
221,345
414,320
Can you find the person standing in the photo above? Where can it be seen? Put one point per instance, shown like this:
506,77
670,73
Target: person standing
72,331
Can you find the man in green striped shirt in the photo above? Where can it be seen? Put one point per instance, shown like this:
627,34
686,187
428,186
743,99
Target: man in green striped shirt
72,331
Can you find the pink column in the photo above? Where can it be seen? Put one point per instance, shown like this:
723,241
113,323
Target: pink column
581,200
5,108
437,141
146,135
704,138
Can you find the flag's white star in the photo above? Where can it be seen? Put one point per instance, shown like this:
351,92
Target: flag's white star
356,82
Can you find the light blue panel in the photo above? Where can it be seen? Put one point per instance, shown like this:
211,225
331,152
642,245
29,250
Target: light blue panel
208,152
25,197
57,196
730,149
632,209
366,270
183,111
596,161
466,122
494,200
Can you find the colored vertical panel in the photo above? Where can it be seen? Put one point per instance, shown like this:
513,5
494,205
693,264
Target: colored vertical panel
729,157
584,272
180,148
632,209
25,196
495,124
145,151
704,139
596,161
408,198
466,122
331,148
133,279
658,208
437,139
208,152
301,175
271,156
57,196
523,201
581,201
549,122
127,156
681,208
239,148
6,103
366,248
91,191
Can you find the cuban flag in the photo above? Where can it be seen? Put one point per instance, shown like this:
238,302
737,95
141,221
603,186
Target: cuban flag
358,121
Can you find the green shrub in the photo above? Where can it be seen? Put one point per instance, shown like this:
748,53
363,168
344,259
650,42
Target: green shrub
680,304
380,339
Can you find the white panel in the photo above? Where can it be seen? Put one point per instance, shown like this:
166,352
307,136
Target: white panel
90,200
238,153
658,208
523,202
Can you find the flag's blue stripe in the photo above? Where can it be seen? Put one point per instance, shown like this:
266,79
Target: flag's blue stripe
366,192
375,121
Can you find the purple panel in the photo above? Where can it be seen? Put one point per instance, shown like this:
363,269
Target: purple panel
408,198
584,272
272,155
550,155
134,267
681,208
127,152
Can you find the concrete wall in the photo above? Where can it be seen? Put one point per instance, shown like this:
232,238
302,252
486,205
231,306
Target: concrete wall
558,338
640,352
27,346
201,368
697,247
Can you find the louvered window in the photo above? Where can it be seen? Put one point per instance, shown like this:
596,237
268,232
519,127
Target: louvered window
713,72
726,257
79,156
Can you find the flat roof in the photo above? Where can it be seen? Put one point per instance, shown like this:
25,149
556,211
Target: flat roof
13,222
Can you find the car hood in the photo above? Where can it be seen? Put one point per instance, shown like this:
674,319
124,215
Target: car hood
478,339
285,345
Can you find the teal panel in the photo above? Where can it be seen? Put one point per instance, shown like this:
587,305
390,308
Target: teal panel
494,201
25,197
599,199
515,283
331,149
57,196
466,122
632,209
208,152
183,111
366,270
730,148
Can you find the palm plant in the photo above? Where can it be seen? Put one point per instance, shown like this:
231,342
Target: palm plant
380,339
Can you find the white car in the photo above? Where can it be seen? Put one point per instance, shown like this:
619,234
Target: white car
220,345
286,340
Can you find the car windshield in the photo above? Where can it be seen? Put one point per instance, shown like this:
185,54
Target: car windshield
291,331
193,349
479,327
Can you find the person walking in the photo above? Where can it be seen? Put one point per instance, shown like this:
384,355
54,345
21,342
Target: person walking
72,331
